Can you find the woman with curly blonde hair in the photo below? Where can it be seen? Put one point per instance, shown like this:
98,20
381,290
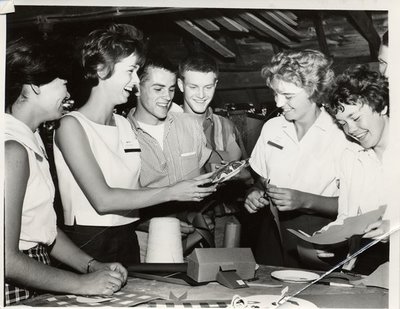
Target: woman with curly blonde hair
296,156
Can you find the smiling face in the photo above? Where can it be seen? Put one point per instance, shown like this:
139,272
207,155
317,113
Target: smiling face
198,90
119,85
51,98
293,100
157,90
363,124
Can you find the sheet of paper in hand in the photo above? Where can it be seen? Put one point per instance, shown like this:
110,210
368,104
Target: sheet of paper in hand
338,233
228,171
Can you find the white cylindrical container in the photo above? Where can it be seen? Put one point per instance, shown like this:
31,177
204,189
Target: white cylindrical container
232,235
164,242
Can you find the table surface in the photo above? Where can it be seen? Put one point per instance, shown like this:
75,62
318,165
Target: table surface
323,296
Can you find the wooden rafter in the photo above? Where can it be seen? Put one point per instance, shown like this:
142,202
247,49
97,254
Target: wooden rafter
207,24
205,38
264,27
276,20
230,24
365,26
286,18
321,37
248,26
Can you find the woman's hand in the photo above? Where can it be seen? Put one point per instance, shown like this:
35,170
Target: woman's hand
377,229
286,199
255,200
192,190
96,266
101,282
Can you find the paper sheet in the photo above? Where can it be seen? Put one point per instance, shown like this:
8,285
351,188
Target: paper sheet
379,278
338,233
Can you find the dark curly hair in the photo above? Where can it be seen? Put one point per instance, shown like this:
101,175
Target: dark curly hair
356,85
308,69
28,62
106,47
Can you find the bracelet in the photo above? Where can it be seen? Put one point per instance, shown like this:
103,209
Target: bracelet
89,264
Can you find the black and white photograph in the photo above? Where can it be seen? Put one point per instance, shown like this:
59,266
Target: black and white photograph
202,154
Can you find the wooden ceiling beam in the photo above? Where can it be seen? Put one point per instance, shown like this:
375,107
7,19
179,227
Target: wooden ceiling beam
286,18
249,26
365,27
205,38
274,19
321,37
207,24
231,25
264,27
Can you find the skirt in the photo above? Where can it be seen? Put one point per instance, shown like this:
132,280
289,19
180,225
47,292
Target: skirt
14,294
107,244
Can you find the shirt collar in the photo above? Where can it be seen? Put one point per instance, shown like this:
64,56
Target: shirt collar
135,124
16,129
323,121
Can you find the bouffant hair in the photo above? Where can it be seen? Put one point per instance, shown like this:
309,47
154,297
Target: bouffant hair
307,69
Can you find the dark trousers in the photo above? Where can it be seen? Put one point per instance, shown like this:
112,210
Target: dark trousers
107,244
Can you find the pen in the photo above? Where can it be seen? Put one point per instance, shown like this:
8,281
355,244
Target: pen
346,285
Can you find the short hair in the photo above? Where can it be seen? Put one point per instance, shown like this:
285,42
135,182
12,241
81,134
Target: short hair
357,85
385,39
28,61
199,63
106,47
156,59
308,69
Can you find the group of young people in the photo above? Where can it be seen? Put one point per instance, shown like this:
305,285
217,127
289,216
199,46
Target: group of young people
109,167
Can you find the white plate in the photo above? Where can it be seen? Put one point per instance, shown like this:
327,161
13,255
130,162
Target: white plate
294,275
265,302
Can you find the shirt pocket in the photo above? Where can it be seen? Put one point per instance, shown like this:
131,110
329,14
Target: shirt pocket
190,163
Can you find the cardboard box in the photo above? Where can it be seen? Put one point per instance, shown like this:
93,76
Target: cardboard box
205,263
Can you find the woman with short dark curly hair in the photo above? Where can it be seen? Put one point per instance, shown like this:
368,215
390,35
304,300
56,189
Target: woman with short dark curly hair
359,101
360,104
296,155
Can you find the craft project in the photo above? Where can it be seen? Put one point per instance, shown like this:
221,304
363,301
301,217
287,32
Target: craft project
227,171
269,302
189,304
338,233
118,299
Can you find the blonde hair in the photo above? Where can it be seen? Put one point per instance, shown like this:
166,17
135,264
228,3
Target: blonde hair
308,69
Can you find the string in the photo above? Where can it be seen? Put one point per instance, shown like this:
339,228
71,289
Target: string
284,299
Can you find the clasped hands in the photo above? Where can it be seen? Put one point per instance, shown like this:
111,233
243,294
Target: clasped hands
103,279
